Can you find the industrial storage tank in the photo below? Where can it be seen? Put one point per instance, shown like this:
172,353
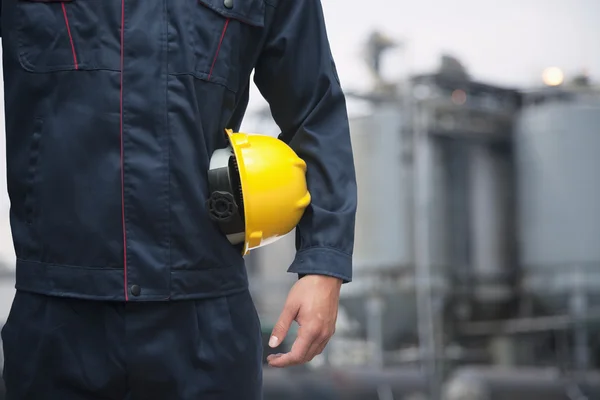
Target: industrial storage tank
557,145
384,260
382,235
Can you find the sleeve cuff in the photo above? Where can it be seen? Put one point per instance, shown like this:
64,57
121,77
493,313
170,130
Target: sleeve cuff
323,261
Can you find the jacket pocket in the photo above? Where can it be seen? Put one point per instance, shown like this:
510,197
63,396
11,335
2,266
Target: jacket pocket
33,172
64,35
224,37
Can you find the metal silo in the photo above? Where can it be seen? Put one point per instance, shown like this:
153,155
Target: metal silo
382,238
383,242
558,162
382,296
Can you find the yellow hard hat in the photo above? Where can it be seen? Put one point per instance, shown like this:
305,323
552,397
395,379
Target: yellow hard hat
258,190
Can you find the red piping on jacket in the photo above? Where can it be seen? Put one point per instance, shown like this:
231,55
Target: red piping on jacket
122,155
218,47
75,63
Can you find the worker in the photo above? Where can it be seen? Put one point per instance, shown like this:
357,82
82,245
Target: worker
126,288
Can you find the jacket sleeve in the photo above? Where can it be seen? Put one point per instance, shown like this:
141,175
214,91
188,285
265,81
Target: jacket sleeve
297,76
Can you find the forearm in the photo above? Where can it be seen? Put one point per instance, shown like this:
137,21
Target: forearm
297,75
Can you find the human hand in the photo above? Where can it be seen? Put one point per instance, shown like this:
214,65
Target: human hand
313,303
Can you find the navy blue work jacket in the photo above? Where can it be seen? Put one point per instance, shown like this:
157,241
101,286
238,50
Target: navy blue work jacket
113,109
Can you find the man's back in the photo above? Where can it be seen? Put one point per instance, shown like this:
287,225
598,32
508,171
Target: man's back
113,110
100,161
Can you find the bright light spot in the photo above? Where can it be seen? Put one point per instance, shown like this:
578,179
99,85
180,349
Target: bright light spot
553,76
459,97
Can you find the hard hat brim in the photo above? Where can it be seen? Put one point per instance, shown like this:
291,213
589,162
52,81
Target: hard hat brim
236,146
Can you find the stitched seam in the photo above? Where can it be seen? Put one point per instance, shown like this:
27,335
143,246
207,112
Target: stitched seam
121,113
203,77
218,48
75,63
168,144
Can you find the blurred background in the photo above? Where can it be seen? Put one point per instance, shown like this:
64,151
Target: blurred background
476,135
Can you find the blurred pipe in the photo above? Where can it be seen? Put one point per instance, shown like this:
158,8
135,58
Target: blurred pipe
374,308
488,221
384,392
527,325
426,318
579,306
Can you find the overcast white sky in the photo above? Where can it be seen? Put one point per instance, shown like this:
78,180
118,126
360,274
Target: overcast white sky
507,42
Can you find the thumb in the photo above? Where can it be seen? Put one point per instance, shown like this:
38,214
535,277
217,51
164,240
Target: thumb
283,325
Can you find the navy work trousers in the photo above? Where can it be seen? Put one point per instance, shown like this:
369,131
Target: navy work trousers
70,349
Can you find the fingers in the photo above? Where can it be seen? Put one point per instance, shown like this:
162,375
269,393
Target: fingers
310,342
282,326
321,347
297,354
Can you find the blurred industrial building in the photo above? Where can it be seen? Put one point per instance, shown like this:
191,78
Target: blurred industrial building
477,256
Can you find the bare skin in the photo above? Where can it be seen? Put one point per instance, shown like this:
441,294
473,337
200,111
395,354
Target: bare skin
313,303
